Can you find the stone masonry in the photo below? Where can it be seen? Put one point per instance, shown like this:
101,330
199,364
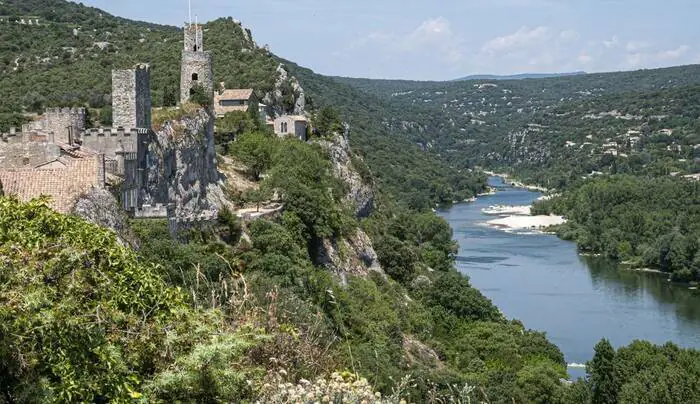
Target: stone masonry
131,97
196,64
63,124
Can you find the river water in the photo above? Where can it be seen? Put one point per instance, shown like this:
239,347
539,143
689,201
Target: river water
542,281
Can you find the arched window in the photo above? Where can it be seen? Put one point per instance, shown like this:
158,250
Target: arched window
195,76
195,48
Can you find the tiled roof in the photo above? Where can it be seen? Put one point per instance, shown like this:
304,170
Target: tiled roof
234,94
65,185
295,118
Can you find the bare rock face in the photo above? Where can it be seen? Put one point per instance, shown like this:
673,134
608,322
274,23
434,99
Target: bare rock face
100,207
286,83
353,255
182,168
360,194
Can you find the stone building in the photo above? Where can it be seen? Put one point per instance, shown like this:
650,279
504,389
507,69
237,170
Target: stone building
291,125
230,100
60,124
196,66
131,97
65,182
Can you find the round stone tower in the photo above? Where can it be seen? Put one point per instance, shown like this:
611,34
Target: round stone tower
196,64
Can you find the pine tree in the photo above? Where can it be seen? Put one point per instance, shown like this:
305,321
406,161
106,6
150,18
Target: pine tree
604,385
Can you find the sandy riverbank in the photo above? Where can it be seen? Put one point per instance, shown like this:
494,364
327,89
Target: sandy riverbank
527,222
501,210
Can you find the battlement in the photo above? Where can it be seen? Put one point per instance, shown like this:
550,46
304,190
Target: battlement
65,111
112,132
152,211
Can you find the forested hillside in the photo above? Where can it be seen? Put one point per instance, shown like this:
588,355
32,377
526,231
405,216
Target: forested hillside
554,131
251,311
67,61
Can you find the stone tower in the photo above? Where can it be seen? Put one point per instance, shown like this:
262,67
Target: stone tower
131,97
196,63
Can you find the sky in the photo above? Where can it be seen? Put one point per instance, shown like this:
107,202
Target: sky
448,39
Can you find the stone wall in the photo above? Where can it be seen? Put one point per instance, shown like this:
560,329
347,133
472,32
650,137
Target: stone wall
64,123
27,154
131,97
194,38
199,64
111,141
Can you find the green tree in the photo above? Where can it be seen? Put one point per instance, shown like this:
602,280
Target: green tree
327,122
201,96
256,151
604,385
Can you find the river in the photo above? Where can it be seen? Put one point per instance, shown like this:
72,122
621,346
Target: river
543,281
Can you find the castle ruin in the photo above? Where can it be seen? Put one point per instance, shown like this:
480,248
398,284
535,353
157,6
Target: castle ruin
50,154
196,67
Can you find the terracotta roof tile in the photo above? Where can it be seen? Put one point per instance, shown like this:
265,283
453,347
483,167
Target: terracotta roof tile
65,185
234,94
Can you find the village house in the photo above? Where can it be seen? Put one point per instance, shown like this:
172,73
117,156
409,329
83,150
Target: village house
291,125
230,100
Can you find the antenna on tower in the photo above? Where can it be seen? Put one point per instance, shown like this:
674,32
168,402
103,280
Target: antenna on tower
189,3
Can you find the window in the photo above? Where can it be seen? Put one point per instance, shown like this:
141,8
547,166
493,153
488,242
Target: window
231,103
195,48
195,76
283,127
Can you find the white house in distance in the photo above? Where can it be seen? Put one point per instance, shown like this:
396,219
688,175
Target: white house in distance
291,125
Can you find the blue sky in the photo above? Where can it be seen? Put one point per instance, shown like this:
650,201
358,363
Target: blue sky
446,39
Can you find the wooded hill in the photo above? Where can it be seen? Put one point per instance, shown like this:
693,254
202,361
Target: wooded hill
244,313
553,131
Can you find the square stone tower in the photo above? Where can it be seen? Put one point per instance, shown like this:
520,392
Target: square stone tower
131,97
196,64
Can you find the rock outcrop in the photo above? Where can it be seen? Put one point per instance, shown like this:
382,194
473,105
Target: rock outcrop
182,168
283,86
352,255
100,207
360,194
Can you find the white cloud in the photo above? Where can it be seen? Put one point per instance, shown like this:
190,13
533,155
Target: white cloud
432,44
635,46
658,58
569,35
584,58
437,34
614,42
674,53
524,37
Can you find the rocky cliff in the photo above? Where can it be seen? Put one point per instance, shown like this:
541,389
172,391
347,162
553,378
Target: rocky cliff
354,253
100,207
182,168
288,96
360,194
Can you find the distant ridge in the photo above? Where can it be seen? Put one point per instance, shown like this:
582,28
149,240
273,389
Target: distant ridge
518,76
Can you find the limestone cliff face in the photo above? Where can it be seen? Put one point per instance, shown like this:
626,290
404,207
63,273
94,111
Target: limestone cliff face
100,207
182,168
353,254
283,86
360,194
